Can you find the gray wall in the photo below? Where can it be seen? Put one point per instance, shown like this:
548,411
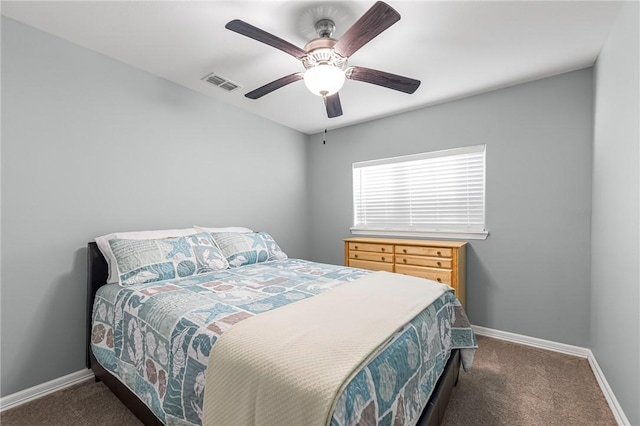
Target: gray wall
615,279
91,146
531,275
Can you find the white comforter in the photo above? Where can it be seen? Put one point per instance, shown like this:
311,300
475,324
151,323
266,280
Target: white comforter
287,366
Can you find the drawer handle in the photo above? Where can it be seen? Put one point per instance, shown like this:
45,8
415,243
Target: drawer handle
382,249
355,256
439,280
355,247
439,263
382,258
404,250
404,260
439,253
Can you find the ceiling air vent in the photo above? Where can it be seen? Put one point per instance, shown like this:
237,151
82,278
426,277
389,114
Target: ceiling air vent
221,82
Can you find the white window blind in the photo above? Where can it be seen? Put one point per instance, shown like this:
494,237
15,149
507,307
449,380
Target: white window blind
433,193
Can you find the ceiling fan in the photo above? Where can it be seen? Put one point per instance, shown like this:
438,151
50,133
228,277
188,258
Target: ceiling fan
325,59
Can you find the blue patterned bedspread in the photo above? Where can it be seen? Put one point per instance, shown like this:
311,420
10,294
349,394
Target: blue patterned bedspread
157,337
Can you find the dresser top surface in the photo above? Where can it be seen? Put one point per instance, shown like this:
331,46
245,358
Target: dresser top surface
406,242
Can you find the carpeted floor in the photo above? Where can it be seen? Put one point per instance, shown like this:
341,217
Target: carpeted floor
509,384
513,385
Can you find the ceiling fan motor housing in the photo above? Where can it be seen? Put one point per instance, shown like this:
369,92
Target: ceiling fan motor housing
320,51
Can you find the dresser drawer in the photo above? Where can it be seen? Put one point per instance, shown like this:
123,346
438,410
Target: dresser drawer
440,275
377,248
433,262
369,255
372,266
424,251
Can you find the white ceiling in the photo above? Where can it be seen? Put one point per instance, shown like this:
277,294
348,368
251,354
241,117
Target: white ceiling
455,48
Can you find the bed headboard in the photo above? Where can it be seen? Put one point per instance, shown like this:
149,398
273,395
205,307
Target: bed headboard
97,273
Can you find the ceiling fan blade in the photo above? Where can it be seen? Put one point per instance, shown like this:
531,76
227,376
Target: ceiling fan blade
256,33
275,84
375,20
332,103
384,79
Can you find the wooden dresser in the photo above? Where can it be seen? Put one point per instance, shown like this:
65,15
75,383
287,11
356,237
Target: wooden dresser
442,261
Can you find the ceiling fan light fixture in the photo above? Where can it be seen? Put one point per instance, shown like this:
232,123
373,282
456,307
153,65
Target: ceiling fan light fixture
324,80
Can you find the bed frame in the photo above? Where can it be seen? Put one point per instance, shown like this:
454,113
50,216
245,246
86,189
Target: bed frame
97,272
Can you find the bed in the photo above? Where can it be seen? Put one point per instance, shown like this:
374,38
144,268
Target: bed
168,387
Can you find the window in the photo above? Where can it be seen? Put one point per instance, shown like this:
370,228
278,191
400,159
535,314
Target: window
434,194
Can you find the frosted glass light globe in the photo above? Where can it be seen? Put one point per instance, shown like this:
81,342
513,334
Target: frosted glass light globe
324,80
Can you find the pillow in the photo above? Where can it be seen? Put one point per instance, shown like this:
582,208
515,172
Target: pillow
244,249
103,244
236,229
146,261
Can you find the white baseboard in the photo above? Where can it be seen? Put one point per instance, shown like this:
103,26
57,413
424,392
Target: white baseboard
35,392
607,391
533,341
616,409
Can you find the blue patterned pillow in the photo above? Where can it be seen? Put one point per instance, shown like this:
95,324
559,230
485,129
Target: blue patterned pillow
146,261
247,248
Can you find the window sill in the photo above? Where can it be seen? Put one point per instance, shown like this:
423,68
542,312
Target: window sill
480,235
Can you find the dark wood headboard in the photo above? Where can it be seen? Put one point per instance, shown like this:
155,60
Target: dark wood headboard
97,273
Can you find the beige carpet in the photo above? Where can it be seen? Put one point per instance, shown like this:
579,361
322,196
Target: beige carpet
512,384
85,404
509,385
